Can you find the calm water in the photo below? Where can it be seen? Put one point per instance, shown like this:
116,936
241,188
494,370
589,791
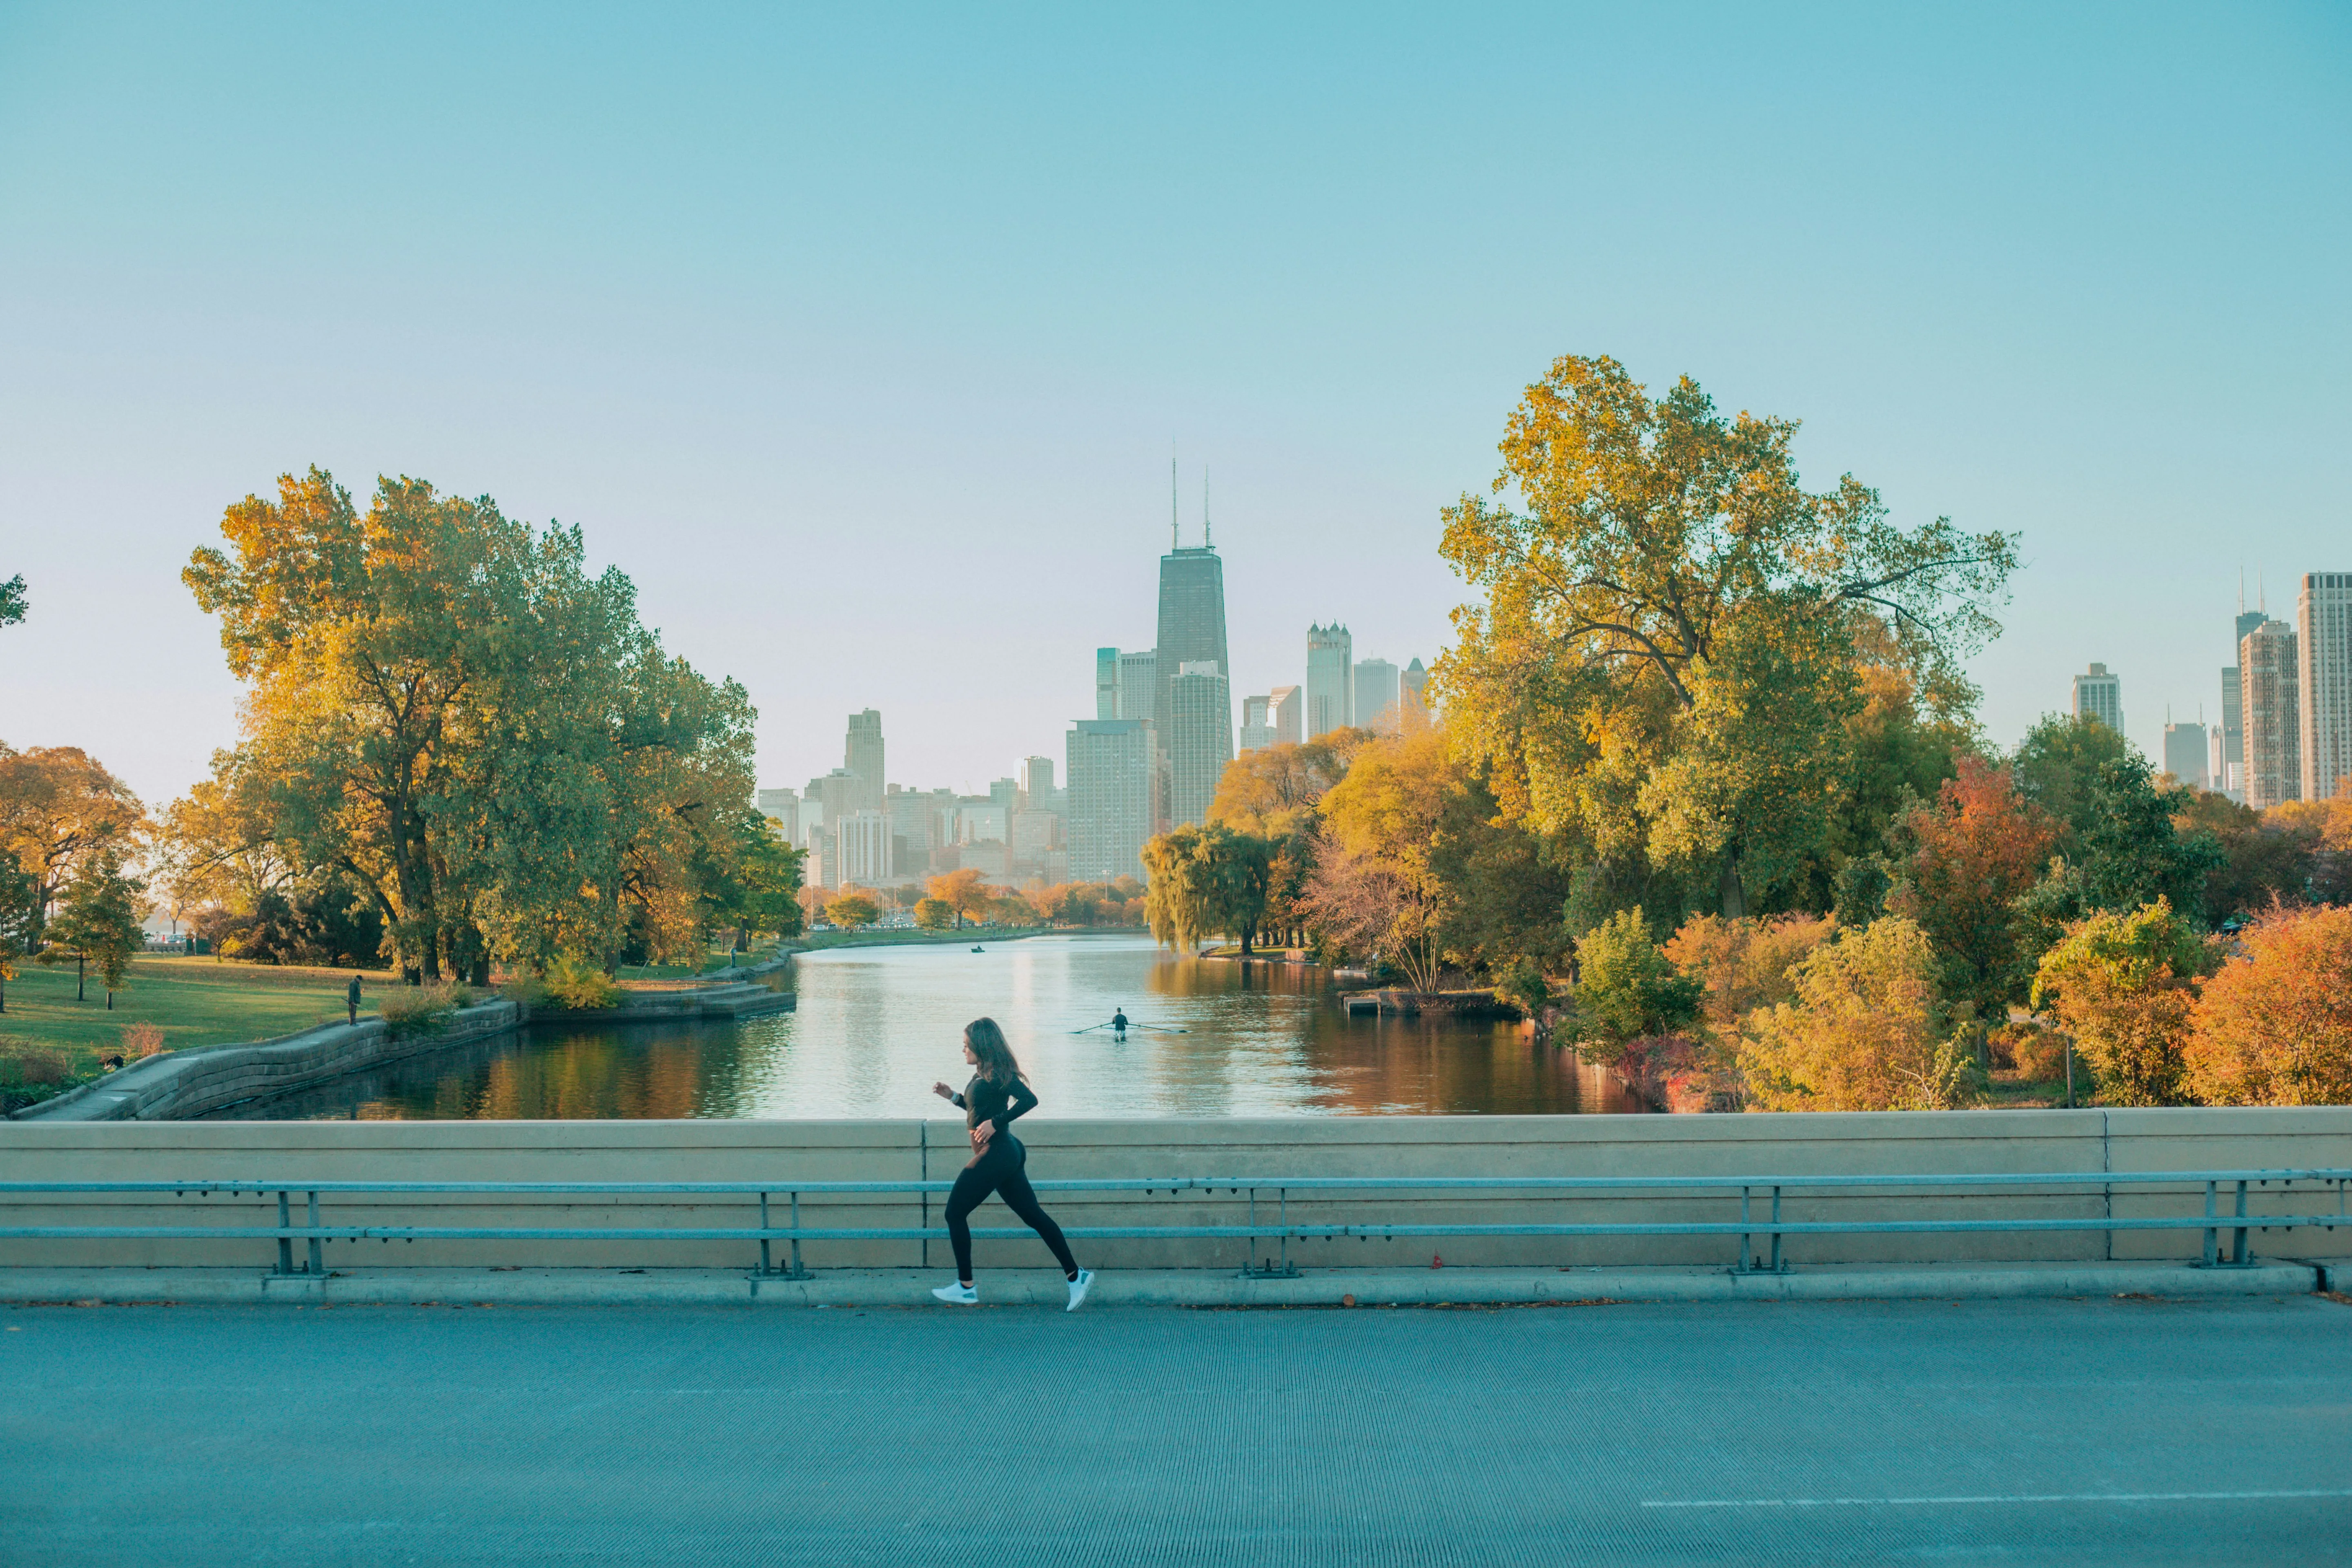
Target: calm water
876,1026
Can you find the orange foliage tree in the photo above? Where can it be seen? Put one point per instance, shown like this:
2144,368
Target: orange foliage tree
2274,1026
1973,852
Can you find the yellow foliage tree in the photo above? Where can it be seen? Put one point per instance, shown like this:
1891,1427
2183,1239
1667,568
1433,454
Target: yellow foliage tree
1865,1031
2274,1026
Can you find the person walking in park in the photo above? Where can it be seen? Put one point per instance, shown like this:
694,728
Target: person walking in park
351,1000
998,1093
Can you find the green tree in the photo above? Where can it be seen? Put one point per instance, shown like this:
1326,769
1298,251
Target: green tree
99,923
1627,989
446,707
2120,984
757,887
12,600
2059,760
1205,880
935,915
20,913
1668,587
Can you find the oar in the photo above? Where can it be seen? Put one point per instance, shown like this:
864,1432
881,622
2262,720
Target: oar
1090,1028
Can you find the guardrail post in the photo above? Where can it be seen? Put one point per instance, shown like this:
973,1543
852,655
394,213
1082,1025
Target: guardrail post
285,1242
1270,1269
2238,1242
318,1264
764,1270
1740,1264
1776,1230
796,1272
2212,1237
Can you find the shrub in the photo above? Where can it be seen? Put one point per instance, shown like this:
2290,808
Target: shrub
141,1040
2119,984
418,1010
2274,1026
1628,990
30,1074
579,983
2037,1055
525,990
1867,1031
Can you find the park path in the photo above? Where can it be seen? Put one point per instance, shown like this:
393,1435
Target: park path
2038,1432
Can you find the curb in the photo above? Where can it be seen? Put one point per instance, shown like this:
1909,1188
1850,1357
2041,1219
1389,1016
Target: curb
1151,1288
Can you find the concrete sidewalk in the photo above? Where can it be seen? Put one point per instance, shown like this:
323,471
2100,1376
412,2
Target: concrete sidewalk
1162,1288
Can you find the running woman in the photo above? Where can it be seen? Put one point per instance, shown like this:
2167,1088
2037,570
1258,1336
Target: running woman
997,1093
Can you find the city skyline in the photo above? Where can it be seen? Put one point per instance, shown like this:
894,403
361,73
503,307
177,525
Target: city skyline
693,318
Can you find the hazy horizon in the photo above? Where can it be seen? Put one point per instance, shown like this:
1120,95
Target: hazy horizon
862,345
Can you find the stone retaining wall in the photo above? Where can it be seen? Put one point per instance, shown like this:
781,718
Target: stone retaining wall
782,1153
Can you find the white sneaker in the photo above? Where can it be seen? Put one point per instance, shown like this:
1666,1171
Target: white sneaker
1079,1288
958,1295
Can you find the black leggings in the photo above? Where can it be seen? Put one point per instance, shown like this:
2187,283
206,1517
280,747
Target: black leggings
1007,1177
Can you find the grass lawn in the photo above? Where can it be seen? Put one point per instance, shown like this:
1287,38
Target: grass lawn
194,1001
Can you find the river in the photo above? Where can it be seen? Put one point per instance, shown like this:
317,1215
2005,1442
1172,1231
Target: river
877,1027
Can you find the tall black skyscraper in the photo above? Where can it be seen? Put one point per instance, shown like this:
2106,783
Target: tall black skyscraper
1191,622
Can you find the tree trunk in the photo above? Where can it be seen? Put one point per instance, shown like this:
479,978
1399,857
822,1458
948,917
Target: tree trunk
110,1001
1735,896
81,967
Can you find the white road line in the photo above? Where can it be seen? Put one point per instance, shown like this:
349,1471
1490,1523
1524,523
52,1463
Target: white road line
2019,1497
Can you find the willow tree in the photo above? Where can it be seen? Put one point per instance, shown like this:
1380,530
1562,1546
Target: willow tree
1664,662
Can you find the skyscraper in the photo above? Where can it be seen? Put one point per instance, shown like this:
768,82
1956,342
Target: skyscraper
2322,634
782,806
1139,684
1037,791
1416,695
1191,626
1199,738
2184,753
1376,694
862,838
1110,764
1106,683
1329,684
2099,695
2232,779
1257,729
1285,713
864,757
2273,714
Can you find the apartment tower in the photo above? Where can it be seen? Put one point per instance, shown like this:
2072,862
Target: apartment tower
1330,685
2267,671
2323,636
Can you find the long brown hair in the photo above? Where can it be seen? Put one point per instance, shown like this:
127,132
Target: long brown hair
987,1043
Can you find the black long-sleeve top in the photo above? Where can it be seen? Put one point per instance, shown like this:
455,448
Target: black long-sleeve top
984,1100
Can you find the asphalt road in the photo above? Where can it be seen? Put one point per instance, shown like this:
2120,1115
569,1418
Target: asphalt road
2035,1432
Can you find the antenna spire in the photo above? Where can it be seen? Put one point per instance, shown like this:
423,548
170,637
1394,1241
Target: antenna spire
1173,542
1206,542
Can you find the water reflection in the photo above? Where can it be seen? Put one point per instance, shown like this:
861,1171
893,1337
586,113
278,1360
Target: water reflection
875,1027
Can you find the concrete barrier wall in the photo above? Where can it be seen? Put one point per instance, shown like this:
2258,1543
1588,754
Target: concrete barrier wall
782,1153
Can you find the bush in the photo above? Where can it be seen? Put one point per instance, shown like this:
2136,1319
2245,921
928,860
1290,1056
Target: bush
30,1074
1628,990
2037,1055
1866,1032
524,990
140,1040
580,985
420,1009
2274,1026
2119,984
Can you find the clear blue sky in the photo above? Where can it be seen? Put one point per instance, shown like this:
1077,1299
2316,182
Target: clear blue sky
861,342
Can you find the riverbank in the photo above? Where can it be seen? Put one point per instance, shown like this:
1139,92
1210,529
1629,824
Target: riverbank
193,1002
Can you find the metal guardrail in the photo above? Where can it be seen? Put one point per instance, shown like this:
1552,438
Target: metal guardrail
1748,1226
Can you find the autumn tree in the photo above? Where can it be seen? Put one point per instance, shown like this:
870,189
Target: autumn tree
1663,657
1743,964
1867,1030
445,707
60,810
2274,1027
1378,886
1972,855
99,923
2120,985
935,915
2264,856
961,892
1203,881
852,910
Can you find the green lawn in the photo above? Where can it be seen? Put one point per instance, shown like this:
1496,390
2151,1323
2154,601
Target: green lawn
194,1001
